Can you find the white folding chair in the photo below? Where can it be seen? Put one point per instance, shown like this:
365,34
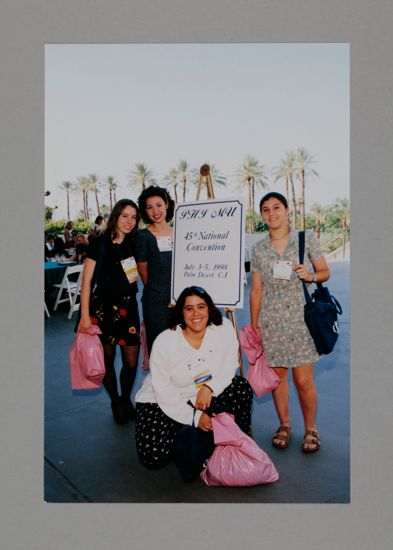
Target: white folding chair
75,292
70,288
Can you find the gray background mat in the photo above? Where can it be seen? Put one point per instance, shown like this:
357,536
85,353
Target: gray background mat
26,522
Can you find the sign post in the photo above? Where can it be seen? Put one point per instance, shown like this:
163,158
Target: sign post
209,249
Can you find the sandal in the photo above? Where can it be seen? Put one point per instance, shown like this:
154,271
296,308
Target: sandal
311,437
283,434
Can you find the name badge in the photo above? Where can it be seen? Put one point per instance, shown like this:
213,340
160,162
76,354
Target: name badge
199,372
130,269
164,244
282,270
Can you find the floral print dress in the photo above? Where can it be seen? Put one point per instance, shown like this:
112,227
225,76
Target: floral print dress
285,336
113,305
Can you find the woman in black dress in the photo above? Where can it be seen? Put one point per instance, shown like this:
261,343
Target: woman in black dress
108,299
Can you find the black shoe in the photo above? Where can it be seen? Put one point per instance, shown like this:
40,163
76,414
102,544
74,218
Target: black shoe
128,408
120,415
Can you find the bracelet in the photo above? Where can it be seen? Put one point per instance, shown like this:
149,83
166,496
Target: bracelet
208,387
314,278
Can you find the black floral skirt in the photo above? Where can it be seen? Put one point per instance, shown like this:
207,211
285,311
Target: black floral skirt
118,318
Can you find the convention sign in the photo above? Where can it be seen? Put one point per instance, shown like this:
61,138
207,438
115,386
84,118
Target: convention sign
208,250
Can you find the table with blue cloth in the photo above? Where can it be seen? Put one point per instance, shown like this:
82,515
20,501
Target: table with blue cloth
54,273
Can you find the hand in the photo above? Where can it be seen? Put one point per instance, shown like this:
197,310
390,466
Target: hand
303,273
205,423
203,398
84,324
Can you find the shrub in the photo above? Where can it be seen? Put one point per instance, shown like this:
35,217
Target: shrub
58,226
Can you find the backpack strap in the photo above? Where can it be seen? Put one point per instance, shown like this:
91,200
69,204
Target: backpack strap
301,246
301,260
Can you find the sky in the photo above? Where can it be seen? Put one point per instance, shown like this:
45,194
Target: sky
110,106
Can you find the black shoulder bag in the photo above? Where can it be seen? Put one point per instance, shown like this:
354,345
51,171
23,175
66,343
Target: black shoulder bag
193,448
320,311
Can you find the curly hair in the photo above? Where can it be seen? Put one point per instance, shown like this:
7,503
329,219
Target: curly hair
155,191
176,315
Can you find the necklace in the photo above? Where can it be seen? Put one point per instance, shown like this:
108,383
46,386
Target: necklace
278,238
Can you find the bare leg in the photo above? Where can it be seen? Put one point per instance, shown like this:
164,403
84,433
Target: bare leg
304,382
280,397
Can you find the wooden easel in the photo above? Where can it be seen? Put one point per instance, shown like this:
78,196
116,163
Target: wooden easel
205,178
230,312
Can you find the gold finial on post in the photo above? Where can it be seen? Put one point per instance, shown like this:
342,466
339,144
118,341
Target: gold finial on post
205,177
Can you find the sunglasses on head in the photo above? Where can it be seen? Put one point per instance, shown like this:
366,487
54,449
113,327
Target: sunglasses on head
199,289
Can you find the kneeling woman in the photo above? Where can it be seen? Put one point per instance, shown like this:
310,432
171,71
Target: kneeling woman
194,360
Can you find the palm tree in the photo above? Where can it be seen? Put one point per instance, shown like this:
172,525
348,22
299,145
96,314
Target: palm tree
112,186
283,172
251,174
341,209
84,186
94,187
171,179
67,187
286,171
184,174
303,161
319,214
141,176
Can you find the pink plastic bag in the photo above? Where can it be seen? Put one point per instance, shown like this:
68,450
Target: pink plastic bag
145,362
87,368
237,461
261,378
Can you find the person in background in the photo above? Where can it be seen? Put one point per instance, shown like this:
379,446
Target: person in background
99,225
153,254
195,360
49,249
277,311
81,245
68,235
59,247
112,304
91,235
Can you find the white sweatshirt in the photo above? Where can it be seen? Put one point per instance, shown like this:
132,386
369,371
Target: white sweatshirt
170,383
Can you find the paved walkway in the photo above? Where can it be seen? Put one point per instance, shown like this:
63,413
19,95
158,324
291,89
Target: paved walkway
88,458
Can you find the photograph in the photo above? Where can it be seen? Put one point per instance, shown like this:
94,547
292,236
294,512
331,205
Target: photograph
201,356
225,166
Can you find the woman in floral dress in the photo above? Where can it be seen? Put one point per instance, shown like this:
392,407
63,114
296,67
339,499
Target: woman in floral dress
108,299
277,310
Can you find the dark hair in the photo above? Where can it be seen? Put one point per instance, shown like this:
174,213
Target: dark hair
273,195
155,191
176,315
115,214
98,219
50,236
69,225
